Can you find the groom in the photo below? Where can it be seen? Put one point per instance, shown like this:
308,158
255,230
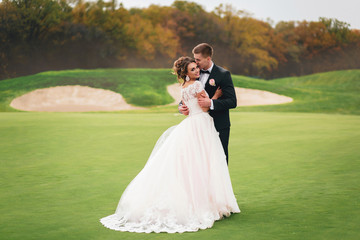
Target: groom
212,77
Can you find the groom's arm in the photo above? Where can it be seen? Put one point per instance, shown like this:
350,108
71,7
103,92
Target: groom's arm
228,99
183,109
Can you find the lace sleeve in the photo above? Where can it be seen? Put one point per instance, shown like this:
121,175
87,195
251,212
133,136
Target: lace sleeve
198,87
191,91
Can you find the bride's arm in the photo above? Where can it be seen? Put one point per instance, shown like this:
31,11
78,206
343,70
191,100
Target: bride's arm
217,94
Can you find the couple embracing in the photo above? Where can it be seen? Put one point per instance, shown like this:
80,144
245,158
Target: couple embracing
185,185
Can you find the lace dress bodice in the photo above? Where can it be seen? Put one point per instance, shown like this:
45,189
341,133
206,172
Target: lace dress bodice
188,95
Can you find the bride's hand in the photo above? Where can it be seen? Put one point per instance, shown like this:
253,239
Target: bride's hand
217,94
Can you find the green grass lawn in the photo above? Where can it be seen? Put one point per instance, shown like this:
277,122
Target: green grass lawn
295,175
330,92
295,167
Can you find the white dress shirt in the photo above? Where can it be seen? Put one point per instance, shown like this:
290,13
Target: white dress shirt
204,78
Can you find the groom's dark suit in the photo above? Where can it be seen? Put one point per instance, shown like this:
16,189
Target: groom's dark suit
220,113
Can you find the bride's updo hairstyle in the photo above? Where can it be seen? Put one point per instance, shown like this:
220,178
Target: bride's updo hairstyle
180,68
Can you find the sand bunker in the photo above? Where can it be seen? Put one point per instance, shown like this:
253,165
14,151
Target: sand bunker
71,99
85,99
252,97
245,96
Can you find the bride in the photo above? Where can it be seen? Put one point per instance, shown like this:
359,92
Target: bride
185,185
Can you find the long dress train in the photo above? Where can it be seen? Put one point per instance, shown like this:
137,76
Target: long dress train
185,185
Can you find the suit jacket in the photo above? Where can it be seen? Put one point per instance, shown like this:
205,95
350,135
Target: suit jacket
228,100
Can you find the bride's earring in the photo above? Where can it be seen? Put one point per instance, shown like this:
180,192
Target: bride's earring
187,78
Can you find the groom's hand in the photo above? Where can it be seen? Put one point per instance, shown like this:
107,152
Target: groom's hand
204,101
183,109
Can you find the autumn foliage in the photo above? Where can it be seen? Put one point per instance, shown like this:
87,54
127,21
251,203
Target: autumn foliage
38,35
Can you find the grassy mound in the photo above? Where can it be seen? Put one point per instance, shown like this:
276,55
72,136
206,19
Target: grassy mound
331,92
141,87
295,175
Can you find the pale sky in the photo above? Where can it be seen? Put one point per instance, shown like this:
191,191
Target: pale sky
279,10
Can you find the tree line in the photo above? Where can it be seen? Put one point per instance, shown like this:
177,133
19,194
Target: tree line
39,35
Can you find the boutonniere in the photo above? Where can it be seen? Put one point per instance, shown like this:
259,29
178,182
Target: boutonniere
212,82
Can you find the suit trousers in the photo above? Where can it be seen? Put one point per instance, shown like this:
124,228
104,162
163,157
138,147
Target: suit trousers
224,135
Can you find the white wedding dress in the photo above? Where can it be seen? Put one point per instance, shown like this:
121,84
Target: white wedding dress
185,185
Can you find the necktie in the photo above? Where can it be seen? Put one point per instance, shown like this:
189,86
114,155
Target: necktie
204,71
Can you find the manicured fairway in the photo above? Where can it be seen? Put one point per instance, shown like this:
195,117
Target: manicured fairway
295,175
